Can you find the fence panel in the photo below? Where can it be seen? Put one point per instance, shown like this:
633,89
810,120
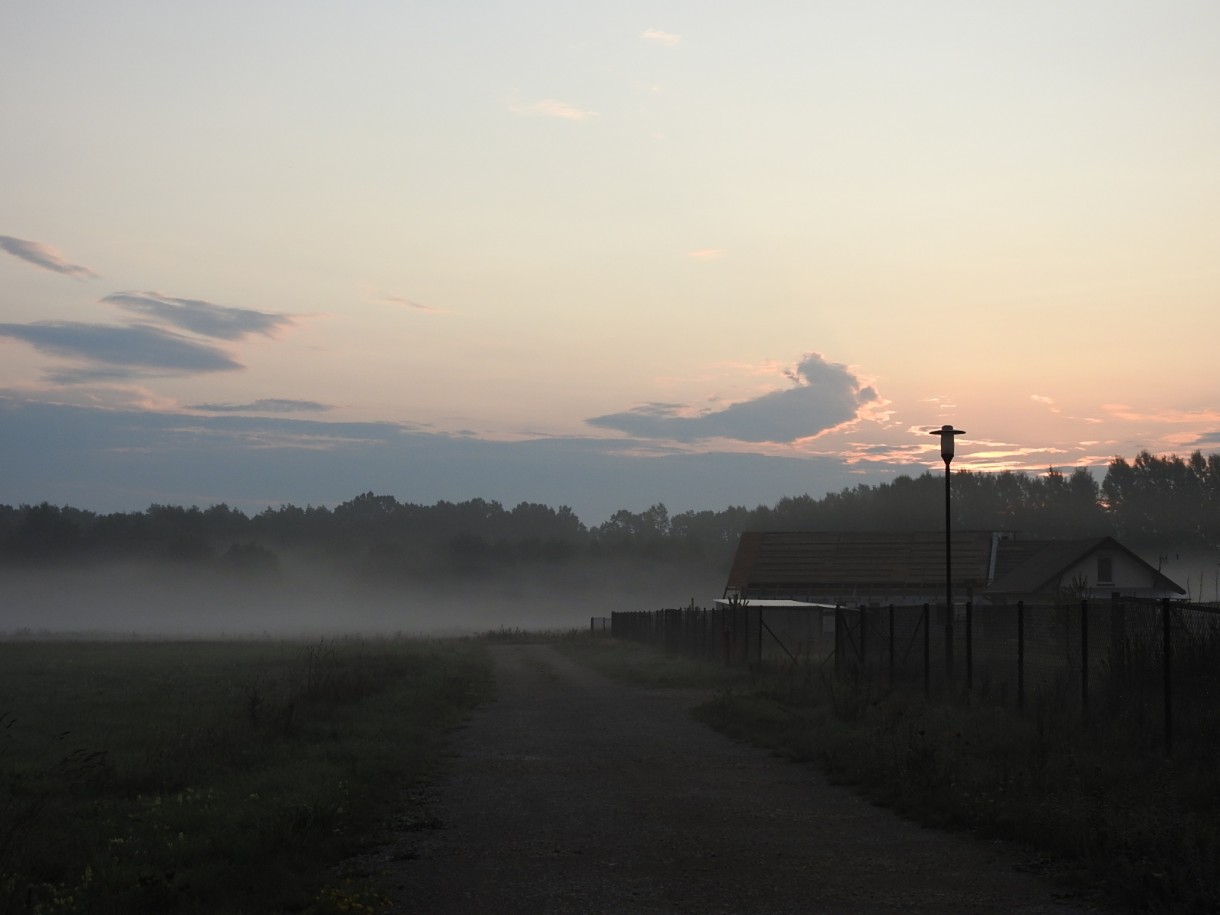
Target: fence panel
1150,670
1194,678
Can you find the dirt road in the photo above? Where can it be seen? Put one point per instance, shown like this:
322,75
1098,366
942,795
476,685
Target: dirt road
574,793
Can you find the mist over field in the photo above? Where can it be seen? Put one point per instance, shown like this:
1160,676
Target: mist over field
376,565
302,599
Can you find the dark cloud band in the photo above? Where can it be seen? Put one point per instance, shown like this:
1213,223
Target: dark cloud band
267,405
139,346
825,395
199,317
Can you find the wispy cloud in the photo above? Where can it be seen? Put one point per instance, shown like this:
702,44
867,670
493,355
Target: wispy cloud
941,402
656,36
552,108
883,453
1048,402
197,316
992,451
823,396
97,377
409,303
1167,417
1208,440
44,256
137,347
706,254
267,405
980,456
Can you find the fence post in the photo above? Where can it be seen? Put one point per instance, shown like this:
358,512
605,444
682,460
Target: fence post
838,642
1167,651
863,640
891,646
760,630
1020,655
927,651
1118,622
1084,660
949,623
969,645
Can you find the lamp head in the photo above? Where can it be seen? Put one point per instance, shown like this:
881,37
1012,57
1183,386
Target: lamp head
947,433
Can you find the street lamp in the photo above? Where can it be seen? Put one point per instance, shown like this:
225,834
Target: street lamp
947,433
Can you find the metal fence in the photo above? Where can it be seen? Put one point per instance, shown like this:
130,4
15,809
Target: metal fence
1149,668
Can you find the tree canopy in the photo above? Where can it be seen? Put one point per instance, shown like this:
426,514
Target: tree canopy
1148,500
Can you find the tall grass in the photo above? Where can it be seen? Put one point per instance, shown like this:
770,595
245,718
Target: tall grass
220,777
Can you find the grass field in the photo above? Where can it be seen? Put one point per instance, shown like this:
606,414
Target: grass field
234,777
223,777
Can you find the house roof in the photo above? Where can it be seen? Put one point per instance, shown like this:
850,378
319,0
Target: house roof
808,560
1039,565
792,563
1012,554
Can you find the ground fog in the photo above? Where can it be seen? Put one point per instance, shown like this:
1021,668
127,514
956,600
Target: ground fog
302,598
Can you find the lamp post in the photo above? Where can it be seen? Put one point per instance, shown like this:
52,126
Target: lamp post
947,433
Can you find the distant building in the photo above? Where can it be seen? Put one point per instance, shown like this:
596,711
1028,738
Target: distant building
879,568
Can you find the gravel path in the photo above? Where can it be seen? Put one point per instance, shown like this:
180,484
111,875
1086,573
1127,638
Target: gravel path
574,793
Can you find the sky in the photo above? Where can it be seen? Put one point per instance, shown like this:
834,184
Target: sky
598,255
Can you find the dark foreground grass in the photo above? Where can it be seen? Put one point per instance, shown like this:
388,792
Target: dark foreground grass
1101,808
219,777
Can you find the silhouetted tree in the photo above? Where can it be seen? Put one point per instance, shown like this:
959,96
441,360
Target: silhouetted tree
1148,499
1163,498
45,532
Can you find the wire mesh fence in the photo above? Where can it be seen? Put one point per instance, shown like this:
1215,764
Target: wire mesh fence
1148,669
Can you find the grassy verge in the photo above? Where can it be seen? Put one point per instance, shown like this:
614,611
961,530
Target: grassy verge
1106,809
636,664
219,777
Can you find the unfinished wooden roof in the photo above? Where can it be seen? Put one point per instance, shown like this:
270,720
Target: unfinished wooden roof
770,560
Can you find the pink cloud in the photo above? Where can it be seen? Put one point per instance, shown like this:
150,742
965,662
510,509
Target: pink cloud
656,36
1167,417
408,303
553,108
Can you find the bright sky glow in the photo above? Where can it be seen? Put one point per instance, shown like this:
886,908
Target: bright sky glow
801,231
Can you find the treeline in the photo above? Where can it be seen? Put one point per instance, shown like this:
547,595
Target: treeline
1149,500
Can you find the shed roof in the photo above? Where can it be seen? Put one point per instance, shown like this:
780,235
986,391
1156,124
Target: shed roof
776,604
770,560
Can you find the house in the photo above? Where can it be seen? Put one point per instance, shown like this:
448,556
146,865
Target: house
1093,569
878,568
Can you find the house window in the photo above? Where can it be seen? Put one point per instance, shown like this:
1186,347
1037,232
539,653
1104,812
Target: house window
1105,570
